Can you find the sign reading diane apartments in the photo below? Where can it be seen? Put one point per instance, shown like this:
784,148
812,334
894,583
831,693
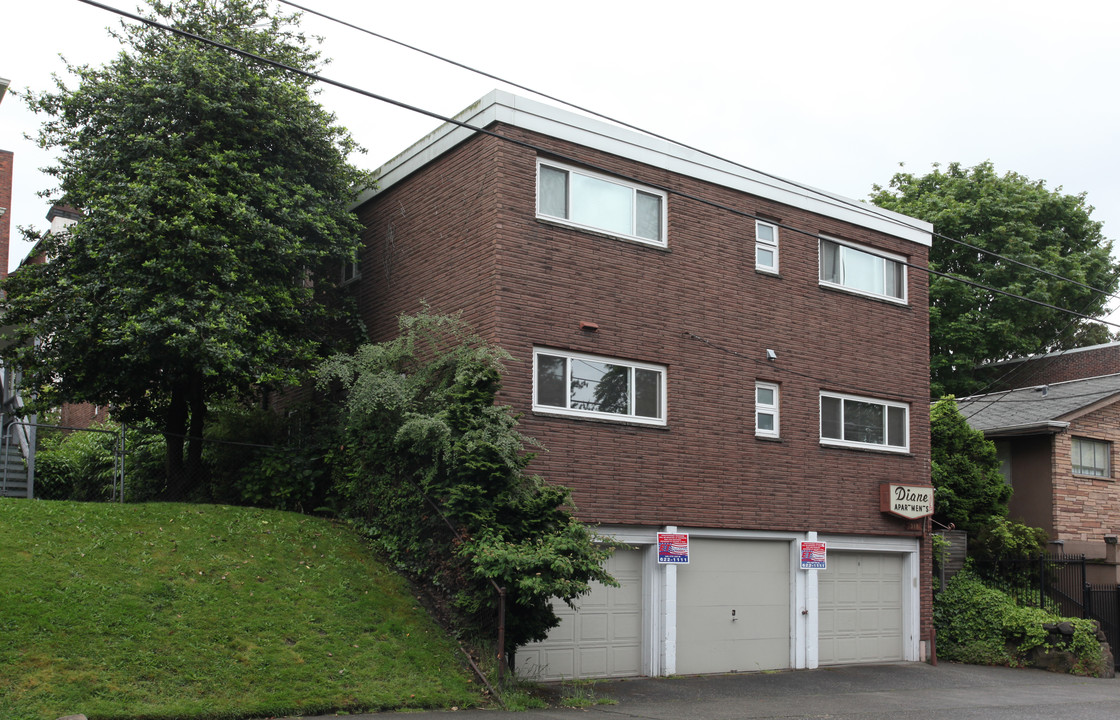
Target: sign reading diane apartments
907,501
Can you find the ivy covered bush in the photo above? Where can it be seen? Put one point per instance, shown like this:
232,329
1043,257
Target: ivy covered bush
980,625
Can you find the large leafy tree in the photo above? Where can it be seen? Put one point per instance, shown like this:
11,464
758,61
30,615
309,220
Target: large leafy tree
437,472
214,194
969,490
1017,218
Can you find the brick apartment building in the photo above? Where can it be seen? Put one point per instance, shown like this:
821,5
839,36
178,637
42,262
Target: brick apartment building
702,349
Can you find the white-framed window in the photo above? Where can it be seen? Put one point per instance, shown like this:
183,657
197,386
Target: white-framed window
853,421
765,246
350,271
1091,457
597,202
592,386
766,409
850,267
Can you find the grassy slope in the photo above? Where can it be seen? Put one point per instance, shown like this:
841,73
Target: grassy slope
199,611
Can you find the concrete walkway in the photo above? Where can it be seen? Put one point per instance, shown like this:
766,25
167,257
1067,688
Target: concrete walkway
879,692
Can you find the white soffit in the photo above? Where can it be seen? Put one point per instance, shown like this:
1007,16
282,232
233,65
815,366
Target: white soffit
510,109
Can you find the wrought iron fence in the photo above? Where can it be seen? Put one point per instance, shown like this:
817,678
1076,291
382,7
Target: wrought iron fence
1057,583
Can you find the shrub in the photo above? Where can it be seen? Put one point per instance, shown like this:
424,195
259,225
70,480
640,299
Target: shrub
436,472
1001,537
981,625
255,457
82,464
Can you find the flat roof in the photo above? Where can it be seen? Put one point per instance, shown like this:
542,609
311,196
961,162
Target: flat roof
510,109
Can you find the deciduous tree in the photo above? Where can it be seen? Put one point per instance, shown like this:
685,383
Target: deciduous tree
1018,218
215,193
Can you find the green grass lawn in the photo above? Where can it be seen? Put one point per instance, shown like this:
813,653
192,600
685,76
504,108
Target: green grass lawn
203,611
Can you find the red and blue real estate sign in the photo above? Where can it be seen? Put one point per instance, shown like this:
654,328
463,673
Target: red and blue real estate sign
672,548
814,555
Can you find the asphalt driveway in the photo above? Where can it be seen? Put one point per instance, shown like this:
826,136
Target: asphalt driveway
879,692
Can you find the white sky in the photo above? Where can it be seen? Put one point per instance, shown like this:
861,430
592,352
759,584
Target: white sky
832,95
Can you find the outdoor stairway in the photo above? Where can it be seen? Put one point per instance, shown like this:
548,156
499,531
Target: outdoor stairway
13,473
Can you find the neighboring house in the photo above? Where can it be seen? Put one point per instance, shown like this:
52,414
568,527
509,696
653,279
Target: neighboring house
1057,442
18,440
1075,364
702,349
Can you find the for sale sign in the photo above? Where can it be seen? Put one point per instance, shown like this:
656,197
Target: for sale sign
672,548
814,555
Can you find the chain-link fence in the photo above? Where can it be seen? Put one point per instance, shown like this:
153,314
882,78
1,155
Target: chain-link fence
120,463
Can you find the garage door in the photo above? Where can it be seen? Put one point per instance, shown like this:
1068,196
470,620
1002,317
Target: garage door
733,607
860,608
602,639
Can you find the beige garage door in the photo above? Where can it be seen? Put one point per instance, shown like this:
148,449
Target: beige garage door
860,608
733,607
602,639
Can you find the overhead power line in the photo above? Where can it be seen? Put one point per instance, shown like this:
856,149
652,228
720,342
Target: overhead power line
538,149
862,208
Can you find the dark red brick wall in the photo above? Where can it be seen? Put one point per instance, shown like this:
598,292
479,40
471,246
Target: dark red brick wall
82,415
7,164
1074,365
462,234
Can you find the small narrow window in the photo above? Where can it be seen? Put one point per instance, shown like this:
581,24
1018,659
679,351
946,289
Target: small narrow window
766,246
350,271
766,410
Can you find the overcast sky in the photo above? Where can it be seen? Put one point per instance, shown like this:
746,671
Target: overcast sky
832,95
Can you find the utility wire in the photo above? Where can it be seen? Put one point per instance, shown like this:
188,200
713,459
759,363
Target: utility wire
835,201
860,207
541,150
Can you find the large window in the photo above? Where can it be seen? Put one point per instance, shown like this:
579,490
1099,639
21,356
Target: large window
1090,457
766,409
597,202
593,386
864,422
851,268
766,246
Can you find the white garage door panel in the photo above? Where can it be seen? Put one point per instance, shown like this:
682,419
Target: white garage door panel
860,608
753,579
602,639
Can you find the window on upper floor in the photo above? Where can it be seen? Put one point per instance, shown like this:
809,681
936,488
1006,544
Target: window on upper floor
350,271
597,202
850,267
853,421
1091,457
765,246
766,409
598,387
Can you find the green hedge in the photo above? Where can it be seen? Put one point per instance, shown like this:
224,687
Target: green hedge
980,625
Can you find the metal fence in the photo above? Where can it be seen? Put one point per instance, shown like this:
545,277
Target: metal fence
1057,583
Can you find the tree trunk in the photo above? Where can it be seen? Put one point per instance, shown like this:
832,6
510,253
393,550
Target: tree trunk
194,468
175,432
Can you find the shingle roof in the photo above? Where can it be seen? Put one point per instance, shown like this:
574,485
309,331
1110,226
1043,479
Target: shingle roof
1041,408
